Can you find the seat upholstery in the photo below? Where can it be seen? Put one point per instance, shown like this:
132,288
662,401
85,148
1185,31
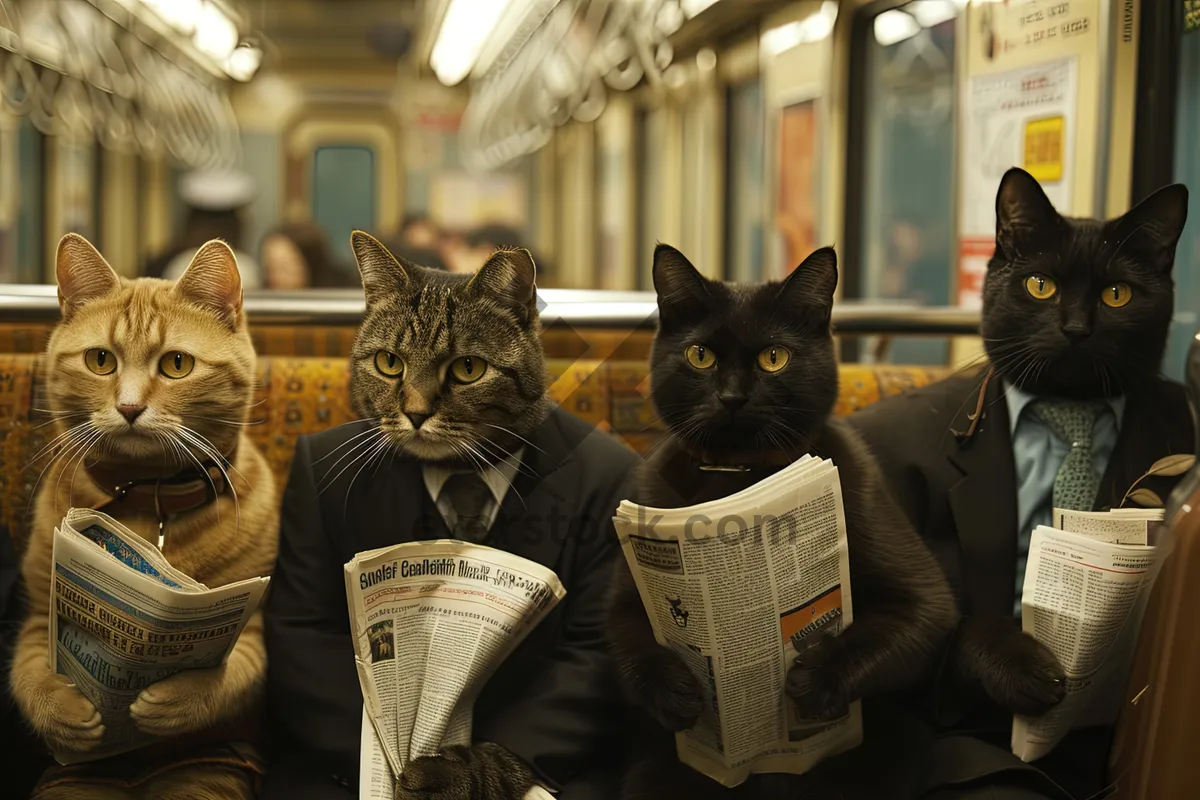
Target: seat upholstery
306,395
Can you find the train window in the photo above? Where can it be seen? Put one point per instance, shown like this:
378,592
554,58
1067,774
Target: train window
1187,171
343,197
20,200
745,151
900,188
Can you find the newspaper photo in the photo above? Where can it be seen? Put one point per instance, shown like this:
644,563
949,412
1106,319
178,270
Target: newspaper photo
124,618
738,587
431,622
1086,588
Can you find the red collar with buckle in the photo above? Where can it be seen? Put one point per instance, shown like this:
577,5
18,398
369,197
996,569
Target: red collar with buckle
161,496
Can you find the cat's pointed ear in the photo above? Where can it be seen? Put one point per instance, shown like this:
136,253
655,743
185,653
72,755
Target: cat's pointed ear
812,283
1024,215
510,277
1155,224
676,281
382,273
82,273
212,281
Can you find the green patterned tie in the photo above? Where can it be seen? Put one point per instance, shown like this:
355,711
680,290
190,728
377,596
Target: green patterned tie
1076,484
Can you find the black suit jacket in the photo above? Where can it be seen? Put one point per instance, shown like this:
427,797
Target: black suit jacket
550,703
960,493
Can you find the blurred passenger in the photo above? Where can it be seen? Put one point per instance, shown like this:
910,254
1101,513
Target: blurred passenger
419,231
214,202
296,255
421,256
478,245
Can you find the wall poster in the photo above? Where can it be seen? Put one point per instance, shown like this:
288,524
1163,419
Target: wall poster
1022,117
796,217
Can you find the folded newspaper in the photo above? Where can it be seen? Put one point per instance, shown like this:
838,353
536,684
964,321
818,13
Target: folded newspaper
738,587
431,622
1087,582
124,618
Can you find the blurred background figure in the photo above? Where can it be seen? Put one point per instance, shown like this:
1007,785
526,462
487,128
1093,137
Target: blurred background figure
296,255
468,253
420,232
213,204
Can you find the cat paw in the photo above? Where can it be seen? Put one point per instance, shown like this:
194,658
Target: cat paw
1026,678
814,682
181,703
483,771
65,718
1011,667
668,690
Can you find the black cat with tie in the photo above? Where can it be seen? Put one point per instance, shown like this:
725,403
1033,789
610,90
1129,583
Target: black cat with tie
1070,411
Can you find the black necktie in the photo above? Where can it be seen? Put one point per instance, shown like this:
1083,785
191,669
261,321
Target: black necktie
469,496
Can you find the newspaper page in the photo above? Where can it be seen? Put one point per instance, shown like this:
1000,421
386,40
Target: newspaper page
431,622
1084,595
124,618
738,587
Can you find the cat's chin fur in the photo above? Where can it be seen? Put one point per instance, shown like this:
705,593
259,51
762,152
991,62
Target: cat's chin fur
737,411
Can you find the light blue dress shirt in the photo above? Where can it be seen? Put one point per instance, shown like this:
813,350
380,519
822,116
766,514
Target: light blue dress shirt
1037,455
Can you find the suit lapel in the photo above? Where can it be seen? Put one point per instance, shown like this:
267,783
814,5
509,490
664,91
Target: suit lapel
1156,424
536,513
984,503
393,508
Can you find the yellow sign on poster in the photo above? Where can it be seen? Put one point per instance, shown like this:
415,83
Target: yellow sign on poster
1044,148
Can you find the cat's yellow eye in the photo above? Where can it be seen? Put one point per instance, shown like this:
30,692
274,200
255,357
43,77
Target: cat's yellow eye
100,361
774,358
1040,287
1116,295
468,369
700,357
389,365
176,365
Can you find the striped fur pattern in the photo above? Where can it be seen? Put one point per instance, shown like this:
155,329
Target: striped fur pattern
429,319
198,416
484,771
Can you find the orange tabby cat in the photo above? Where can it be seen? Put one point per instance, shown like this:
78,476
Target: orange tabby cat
149,381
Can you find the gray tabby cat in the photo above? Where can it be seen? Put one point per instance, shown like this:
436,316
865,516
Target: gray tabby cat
473,410
412,314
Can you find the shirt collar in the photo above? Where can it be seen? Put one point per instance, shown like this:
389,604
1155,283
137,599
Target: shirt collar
498,477
1018,399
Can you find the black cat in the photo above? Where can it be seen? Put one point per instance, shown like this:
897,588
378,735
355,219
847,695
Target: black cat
746,377
1074,308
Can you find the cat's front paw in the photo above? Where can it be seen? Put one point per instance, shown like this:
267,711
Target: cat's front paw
64,717
815,682
1026,679
181,703
1014,669
664,686
483,771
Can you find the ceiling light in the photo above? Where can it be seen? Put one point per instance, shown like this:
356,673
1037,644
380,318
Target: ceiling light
812,28
892,27
465,29
932,12
692,8
182,15
216,35
243,62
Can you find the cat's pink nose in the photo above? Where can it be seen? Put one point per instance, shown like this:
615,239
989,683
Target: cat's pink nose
130,412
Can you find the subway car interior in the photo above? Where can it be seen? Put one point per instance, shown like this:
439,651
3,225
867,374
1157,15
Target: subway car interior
967,219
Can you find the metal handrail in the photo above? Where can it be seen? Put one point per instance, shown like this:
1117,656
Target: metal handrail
560,308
